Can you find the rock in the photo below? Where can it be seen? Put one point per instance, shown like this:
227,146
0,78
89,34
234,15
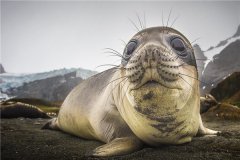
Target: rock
224,111
228,90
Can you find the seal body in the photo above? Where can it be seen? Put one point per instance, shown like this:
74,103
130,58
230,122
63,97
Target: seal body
18,109
151,98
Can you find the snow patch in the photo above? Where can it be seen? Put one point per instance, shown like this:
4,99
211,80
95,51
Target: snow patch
216,50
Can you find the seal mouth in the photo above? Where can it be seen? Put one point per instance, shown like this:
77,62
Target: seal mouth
151,83
156,83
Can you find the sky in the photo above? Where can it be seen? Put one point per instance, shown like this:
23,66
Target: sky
43,36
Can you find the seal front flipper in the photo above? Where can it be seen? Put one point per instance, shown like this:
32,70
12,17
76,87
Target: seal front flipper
203,131
118,146
51,124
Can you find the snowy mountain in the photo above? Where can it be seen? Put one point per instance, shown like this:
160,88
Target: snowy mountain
10,80
214,51
237,34
13,84
53,89
2,70
223,43
224,60
200,60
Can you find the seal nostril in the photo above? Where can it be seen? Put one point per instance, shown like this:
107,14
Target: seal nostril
153,55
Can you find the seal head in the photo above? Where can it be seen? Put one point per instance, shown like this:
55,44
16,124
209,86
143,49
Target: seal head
162,93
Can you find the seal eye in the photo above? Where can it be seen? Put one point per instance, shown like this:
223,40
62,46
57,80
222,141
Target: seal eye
131,46
178,44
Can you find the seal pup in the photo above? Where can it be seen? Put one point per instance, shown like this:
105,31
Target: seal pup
151,98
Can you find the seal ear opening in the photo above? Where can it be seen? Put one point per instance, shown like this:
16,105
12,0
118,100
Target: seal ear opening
52,125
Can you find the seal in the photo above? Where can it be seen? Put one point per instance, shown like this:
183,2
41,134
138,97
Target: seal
151,98
207,102
17,109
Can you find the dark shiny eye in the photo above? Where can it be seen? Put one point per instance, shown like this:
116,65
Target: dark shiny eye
178,44
131,46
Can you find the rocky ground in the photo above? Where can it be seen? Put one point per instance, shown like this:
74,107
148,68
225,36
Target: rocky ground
22,138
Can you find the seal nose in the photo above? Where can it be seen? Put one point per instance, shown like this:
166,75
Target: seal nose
159,62
151,57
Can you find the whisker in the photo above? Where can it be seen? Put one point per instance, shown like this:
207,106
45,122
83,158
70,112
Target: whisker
199,59
176,57
112,53
162,19
185,81
115,55
195,40
164,49
191,60
123,42
112,65
115,87
194,78
202,67
198,68
185,64
100,75
113,50
169,15
125,92
174,21
134,24
139,20
145,22
113,81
